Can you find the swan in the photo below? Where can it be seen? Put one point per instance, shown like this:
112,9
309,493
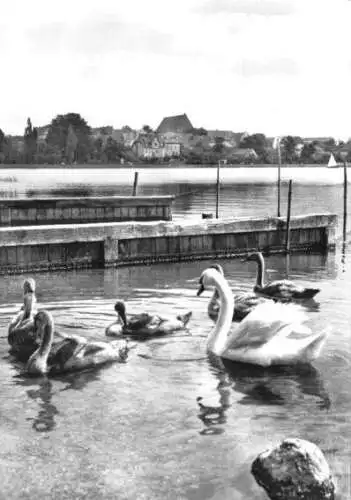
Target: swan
244,302
21,336
280,289
69,353
272,334
144,324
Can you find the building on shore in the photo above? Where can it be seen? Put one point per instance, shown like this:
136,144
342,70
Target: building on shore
176,124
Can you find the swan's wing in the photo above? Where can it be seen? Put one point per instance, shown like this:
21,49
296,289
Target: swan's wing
284,287
265,322
247,301
63,350
139,321
21,332
93,348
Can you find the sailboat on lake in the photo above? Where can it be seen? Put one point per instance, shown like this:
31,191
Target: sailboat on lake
332,162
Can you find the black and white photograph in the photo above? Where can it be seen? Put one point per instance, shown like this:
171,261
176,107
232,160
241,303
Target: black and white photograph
175,250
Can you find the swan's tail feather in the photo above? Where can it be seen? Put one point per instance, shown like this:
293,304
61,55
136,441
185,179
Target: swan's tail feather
184,318
123,348
309,293
316,343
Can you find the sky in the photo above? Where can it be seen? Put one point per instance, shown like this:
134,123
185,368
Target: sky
277,67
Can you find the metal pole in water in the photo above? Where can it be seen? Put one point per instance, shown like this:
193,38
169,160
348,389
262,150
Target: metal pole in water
136,174
345,201
279,173
217,189
287,240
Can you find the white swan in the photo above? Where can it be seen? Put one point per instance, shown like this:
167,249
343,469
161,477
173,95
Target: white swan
272,334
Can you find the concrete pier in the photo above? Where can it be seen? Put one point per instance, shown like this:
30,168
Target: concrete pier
41,211
65,246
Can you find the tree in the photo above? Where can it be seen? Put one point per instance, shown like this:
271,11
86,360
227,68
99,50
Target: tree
2,140
288,144
58,132
112,150
258,142
98,143
126,128
30,142
71,144
147,129
307,153
219,145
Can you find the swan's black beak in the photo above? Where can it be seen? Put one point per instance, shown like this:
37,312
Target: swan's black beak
200,290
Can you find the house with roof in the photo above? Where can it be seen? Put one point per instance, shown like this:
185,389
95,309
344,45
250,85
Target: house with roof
148,146
231,139
176,124
42,133
191,141
172,149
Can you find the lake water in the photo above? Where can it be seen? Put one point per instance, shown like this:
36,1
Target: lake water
135,430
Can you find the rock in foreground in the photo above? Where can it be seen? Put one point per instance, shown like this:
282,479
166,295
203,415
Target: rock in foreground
294,470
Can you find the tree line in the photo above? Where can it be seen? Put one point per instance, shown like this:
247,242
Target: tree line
69,140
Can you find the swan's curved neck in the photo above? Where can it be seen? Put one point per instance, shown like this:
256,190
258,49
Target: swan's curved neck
29,302
218,337
47,336
37,363
260,271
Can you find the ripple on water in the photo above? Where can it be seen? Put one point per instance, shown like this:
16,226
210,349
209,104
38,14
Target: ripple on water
138,427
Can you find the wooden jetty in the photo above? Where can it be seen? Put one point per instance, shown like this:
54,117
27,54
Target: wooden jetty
29,248
69,210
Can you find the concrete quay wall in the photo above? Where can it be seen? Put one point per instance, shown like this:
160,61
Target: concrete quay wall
35,248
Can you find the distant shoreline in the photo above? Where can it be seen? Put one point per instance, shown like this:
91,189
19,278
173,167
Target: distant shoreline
118,166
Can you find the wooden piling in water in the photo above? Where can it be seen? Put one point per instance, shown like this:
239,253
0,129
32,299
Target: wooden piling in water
345,203
288,216
217,190
135,185
279,175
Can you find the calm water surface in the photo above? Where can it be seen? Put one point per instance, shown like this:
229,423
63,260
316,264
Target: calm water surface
245,191
135,430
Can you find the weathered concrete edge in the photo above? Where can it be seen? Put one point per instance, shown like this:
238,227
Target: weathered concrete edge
68,201
29,235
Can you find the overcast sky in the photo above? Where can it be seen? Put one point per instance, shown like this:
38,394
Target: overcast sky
271,66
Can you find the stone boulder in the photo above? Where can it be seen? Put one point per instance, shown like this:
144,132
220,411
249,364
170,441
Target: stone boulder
294,470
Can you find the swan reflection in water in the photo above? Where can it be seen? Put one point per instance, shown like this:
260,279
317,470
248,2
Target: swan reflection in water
42,390
277,385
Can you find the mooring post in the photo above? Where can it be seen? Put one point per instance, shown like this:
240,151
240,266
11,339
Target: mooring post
345,202
136,174
217,189
279,174
288,215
